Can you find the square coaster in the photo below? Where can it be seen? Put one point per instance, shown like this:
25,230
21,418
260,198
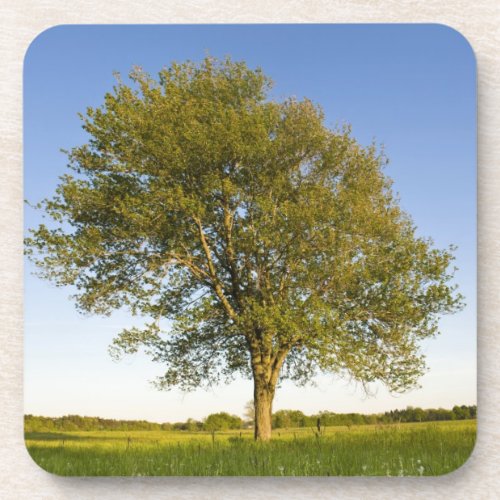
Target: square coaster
250,250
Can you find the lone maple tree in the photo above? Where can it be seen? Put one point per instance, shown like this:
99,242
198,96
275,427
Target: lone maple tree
273,244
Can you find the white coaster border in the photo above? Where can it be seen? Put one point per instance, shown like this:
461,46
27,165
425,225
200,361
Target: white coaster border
20,477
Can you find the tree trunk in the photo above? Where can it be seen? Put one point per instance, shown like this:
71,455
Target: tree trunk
265,368
263,400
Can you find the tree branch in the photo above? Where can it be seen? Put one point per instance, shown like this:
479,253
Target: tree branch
217,286
230,254
276,365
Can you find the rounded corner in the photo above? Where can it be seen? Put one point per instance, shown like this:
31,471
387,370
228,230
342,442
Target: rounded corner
461,37
36,40
38,464
464,463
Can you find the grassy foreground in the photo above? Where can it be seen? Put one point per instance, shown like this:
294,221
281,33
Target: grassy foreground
394,450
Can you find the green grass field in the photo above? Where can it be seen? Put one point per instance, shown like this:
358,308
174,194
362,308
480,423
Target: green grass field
394,450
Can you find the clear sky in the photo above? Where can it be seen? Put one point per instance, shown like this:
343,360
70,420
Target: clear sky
411,88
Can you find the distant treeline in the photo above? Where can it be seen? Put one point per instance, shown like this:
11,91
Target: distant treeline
224,421
295,418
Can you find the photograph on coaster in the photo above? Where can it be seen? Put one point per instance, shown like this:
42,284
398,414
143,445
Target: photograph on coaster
250,250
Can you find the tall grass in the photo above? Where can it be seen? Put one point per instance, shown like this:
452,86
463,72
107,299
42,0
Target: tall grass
407,449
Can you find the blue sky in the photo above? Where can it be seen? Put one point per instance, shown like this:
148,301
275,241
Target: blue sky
411,88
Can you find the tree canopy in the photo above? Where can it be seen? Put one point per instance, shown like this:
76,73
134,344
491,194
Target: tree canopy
273,245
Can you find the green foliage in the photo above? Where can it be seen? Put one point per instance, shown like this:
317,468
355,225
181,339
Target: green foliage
34,423
273,244
222,422
290,418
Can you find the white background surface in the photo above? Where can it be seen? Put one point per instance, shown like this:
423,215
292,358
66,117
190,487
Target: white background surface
20,477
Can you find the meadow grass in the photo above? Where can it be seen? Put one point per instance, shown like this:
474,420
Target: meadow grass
422,449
